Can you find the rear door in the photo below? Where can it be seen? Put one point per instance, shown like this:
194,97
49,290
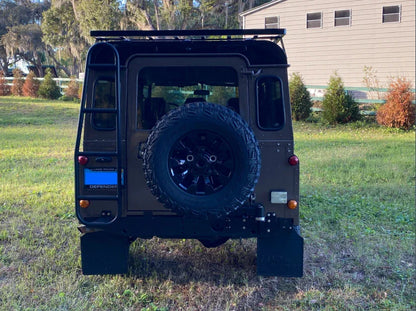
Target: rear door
159,84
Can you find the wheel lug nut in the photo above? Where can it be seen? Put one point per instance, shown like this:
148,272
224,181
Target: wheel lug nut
213,158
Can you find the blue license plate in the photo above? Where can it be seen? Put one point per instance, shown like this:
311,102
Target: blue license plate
99,178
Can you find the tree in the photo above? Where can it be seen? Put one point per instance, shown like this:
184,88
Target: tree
20,32
11,14
17,87
62,36
48,88
31,86
300,98
338,106
97,14
184,14
58,30
25,42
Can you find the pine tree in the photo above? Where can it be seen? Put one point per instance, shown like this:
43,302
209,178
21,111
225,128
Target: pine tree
48,88
17,87
31,86
300,98
338,106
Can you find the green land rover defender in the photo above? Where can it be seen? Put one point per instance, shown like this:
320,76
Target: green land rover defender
187,134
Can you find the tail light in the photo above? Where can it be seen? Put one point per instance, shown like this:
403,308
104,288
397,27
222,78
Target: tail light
84,203
292,204
293,160
82,160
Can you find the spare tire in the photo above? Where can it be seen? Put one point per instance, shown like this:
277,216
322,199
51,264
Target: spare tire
202,159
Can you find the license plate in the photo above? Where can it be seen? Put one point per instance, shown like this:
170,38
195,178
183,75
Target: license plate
99,178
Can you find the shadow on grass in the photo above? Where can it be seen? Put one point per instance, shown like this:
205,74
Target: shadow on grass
187,261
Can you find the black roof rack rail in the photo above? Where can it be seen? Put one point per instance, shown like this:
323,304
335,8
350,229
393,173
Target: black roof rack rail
99,34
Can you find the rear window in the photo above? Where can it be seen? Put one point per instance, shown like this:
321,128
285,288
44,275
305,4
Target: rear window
162,89
104,97
270,111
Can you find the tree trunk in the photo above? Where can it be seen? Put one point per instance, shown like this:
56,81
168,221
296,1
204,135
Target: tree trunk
75,9
157,15
58,65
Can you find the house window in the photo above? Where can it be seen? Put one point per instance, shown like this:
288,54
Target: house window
342,18
314,20
391,14
272,22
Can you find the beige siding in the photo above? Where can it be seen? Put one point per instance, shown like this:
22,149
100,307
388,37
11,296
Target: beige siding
389,48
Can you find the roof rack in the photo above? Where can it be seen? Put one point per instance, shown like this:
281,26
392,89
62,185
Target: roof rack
121,34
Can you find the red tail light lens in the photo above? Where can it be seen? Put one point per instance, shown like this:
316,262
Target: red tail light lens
82,160
293,160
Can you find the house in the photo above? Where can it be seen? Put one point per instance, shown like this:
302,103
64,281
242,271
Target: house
324,36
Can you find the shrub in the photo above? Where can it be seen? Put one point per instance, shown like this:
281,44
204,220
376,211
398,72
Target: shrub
300,98
48,88
337,105
31,86
371,81
398,111
17,87
4,88
72,91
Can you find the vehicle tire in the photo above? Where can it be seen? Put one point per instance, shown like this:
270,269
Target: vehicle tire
202,159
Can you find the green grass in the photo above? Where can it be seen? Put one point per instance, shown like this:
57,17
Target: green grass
357,217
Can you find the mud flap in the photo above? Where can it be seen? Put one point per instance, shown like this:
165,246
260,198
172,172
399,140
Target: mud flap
280,254
104,253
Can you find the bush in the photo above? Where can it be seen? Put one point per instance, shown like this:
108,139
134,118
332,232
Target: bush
17,87
4,88
337,105
300,98
31,86
48,88
72,91
398,111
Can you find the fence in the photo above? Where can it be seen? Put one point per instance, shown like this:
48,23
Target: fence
61,82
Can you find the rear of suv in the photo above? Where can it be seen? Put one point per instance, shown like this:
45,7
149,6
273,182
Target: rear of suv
187,134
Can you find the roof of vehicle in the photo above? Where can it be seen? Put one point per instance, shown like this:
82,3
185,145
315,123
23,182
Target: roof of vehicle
255,44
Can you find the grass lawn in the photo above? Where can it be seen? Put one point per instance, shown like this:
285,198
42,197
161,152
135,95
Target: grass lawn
357,217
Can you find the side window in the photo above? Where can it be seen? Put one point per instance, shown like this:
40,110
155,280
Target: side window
104,97
270,110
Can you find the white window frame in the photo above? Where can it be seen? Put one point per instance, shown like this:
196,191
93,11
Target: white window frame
383,15
349,18
272,25
321,22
